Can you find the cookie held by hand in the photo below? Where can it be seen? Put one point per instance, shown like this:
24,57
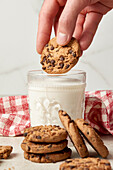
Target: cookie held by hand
56,59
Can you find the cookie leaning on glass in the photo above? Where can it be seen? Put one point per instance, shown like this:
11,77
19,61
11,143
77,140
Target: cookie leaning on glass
45,144
74,134
56,59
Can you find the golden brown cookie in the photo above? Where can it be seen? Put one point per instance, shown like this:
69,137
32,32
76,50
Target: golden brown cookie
43,147
49,157
47,134
92,137
5,151
86,164
74,134
56,59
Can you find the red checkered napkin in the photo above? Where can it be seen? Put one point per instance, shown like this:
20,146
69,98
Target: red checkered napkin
99,110
14,115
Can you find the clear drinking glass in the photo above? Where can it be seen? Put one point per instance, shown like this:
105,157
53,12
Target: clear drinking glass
49,93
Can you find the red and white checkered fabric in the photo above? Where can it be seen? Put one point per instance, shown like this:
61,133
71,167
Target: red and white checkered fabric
99,110
14,113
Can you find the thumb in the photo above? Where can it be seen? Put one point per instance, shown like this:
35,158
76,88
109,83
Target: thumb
67,20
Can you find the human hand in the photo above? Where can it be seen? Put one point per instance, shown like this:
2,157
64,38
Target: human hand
77,18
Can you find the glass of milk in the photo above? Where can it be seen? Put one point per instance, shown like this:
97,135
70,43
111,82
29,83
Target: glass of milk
48,93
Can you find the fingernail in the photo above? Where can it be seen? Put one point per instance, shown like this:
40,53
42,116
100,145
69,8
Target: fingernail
61,38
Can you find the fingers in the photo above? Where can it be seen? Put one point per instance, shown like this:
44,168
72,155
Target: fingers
56,21
68,19
90,26
79,26
46,17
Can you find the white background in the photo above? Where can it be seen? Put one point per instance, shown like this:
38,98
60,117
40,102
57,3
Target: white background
18,29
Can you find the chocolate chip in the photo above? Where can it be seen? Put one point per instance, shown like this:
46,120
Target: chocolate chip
42,62
85,123
65,114
44,59
74,54
52,48
25,134
48,49
44,68
28,148
61,65
68,161
48,61
87,133
62,58
50,145
107,164
49,66
49,55
67,66
70,51
71,167
38,137
52,61
46,45
32,156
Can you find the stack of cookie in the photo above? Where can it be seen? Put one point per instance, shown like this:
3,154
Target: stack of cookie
45,144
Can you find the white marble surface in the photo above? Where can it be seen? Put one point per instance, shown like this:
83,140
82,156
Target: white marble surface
18,29
16,160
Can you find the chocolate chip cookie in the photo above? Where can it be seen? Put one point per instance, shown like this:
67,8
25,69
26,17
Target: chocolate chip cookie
86,164
49,157
92,137
74,134
47,134
43,147
56,59
5,151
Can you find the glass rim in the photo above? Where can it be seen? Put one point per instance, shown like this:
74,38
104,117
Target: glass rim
41,73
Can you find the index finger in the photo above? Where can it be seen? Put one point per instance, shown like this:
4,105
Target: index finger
46,18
